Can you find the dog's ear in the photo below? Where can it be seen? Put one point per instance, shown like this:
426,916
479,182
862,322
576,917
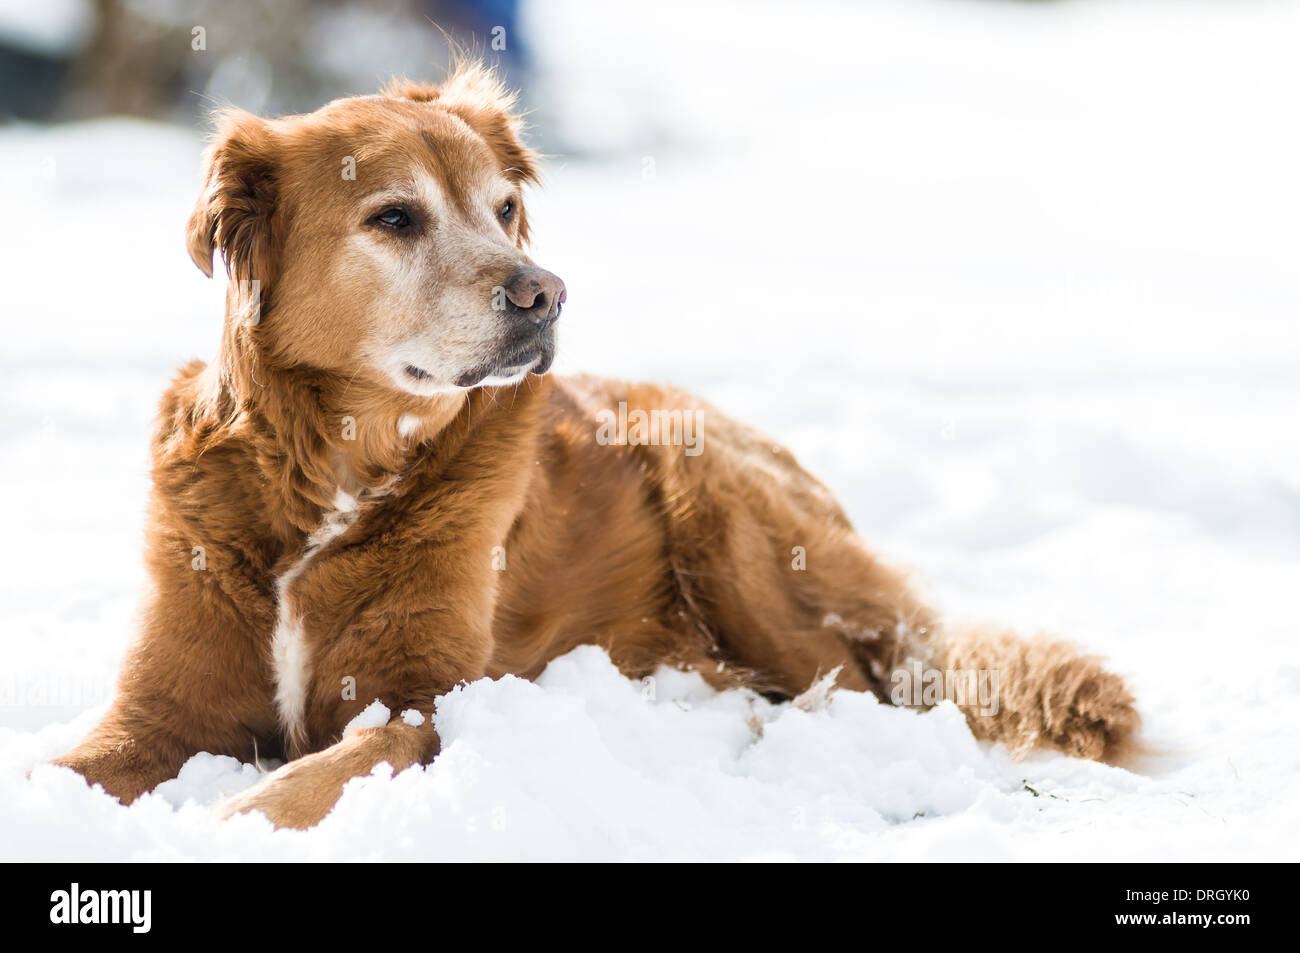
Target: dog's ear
476,94
236,212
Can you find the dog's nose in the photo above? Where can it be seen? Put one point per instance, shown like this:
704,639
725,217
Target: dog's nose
537,294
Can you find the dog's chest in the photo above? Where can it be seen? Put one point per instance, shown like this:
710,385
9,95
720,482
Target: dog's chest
290,649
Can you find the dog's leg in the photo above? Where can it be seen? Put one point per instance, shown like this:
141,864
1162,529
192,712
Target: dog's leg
191,681
302,792
127,755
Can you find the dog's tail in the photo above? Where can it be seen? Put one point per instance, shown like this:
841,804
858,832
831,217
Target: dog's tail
1027,693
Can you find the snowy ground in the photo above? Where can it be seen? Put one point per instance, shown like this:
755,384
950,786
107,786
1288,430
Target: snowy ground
1018,280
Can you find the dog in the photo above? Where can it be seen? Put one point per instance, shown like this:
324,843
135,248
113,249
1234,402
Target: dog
377,492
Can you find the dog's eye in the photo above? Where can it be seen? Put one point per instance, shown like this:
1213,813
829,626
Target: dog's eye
507,210
394,218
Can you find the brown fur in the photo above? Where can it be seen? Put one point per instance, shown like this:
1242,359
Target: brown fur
660,557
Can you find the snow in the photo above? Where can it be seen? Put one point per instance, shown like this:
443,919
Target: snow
374,715
1017,280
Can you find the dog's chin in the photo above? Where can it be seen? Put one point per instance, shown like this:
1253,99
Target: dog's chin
509,369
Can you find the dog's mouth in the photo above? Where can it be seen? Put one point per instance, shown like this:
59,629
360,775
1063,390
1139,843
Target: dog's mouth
509,370
516,357
512,366
417,373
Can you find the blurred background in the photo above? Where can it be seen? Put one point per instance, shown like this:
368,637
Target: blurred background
171,60
1018,279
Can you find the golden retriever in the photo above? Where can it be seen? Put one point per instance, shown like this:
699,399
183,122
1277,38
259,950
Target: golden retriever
376,492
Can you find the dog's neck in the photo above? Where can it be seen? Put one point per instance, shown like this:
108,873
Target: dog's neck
317,434
367,435
376,431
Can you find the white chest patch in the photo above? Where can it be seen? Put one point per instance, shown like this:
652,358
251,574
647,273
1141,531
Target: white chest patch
407,425
290,659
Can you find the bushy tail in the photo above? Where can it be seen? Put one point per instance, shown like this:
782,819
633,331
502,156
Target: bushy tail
1027,693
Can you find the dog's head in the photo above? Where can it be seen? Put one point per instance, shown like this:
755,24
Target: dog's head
385,235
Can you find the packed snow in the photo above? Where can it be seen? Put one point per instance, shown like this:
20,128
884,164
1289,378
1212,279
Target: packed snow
1017,280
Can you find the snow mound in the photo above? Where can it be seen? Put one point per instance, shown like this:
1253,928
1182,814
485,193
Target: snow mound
584,763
